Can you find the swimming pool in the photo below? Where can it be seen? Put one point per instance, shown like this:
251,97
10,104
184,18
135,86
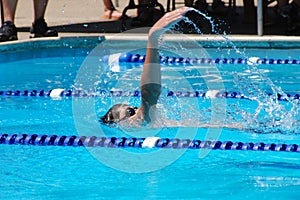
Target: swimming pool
53,172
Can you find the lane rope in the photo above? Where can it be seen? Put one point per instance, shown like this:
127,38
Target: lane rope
149,142
138,58
59,92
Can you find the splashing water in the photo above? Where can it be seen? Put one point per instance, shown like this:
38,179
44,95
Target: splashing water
270,114
265,115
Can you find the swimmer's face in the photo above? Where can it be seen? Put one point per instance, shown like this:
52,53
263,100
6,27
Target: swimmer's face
118,113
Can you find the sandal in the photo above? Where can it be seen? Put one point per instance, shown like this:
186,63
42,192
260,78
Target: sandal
112,14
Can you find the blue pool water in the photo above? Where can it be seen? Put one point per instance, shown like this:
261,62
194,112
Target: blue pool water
52,172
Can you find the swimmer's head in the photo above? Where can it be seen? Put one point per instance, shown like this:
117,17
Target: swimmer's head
118,113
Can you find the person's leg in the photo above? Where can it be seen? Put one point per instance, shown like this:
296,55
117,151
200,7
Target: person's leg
8,30
110,11
108,5
39,8
9,10
39,26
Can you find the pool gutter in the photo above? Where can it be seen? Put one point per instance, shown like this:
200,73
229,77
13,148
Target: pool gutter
206,41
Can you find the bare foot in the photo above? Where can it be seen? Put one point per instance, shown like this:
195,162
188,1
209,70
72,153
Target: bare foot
112,14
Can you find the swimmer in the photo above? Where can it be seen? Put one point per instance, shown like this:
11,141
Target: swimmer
150,83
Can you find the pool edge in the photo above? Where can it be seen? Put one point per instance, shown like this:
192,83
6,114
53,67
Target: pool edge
207,41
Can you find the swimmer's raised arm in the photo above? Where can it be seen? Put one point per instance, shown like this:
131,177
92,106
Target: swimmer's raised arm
150,81
151,76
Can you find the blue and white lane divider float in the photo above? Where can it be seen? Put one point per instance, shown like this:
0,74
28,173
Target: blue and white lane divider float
138,58
59,93
149,142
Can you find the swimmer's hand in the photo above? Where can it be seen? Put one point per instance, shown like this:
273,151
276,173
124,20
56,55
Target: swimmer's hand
167,21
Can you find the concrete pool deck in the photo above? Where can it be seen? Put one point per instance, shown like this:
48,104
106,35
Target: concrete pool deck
84,18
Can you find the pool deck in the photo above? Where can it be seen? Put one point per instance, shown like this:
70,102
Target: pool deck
84,18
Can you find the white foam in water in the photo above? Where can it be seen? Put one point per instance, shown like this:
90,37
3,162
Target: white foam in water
252,60
56,93
113,62
150,142
211,94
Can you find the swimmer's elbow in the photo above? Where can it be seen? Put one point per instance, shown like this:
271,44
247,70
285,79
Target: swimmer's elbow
150,93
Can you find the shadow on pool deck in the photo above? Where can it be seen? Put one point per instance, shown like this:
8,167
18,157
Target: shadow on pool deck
234,25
